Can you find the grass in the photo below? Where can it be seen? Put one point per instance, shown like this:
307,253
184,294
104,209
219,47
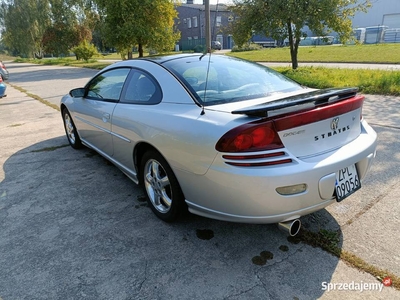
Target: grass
35,97
67,61
377,53
329,240
382,82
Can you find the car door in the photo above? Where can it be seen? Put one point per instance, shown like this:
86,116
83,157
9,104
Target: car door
141,90
93,112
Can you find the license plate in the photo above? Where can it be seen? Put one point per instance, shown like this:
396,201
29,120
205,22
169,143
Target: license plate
347,182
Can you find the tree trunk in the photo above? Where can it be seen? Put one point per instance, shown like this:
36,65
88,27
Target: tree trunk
293,55
294,46
140,50
130,54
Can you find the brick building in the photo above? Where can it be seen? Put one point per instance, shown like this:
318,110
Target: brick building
191,24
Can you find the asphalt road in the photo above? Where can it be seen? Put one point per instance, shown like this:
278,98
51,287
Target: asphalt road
72,226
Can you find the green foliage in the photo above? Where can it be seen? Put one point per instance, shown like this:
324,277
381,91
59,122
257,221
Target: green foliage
24,23
199,48
246,47
368,81
285,19
32,27
141,23
85,51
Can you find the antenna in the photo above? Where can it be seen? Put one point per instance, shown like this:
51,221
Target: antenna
208,49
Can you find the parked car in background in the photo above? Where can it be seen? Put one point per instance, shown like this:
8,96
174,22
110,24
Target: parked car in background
3,71
3,88
216,45
223,137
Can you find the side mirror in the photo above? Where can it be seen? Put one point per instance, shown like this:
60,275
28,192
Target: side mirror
77,93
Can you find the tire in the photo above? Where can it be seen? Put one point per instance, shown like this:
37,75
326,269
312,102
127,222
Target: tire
70,130
162,190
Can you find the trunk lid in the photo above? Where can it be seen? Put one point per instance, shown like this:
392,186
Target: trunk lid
315,122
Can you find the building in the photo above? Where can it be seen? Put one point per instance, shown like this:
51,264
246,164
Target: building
380,24
382,13
191,24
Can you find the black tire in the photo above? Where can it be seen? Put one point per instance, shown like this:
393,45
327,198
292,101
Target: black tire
163,192
70,130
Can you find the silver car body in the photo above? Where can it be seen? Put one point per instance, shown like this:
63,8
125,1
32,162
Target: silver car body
4,72
186,134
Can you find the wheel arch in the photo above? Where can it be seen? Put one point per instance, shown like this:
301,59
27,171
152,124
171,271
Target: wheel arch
62,107
140,149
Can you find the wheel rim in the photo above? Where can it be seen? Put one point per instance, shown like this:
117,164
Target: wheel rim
69,127
157,186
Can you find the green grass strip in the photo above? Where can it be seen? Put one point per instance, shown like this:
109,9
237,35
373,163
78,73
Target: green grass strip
328,241
36,97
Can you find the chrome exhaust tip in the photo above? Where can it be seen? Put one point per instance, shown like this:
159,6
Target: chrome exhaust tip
292,227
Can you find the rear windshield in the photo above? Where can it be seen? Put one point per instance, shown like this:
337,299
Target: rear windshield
224,79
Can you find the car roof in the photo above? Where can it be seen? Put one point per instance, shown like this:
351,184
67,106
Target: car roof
164,58
161,59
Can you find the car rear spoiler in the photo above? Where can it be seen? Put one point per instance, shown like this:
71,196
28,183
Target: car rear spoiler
317,97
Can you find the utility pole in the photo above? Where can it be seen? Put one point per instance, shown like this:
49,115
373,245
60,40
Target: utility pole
207,26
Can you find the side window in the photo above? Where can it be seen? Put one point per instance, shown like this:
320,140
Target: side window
108,85
141,89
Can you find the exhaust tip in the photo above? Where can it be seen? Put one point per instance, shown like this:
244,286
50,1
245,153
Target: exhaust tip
292,227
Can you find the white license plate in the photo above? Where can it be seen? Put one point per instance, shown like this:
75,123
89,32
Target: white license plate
347,182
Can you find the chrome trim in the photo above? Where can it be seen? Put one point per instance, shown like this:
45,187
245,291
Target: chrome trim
120,137
128,172
94,125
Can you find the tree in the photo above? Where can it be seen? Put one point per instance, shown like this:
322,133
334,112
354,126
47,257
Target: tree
23,23
141,23
84,51
30,27
287,19
65,31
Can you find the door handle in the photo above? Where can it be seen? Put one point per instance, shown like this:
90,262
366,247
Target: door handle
106,117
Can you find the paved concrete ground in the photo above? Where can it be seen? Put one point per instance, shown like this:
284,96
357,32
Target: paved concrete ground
72,226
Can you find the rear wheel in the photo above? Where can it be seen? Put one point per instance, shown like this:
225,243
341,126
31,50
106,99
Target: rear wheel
70,130
162,189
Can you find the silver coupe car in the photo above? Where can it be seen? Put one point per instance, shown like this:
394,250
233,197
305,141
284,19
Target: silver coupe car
222,137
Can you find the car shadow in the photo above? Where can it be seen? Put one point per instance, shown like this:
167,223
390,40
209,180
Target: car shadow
73,224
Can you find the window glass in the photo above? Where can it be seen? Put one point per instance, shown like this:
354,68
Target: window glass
108,85
221,79
218,21
141,89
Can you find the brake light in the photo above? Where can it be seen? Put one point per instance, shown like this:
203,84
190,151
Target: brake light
250,137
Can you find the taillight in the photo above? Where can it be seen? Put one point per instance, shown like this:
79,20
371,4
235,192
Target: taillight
250,137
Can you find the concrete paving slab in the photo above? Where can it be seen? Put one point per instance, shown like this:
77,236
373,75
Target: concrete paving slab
374,236
58,81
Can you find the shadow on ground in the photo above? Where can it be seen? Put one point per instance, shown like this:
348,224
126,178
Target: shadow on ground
74,227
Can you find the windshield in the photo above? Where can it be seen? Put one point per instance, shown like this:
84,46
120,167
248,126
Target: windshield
224,79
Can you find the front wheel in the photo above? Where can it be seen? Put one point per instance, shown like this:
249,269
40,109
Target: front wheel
162,189
70,130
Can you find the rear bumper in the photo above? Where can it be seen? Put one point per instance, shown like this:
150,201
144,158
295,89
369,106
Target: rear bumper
248,194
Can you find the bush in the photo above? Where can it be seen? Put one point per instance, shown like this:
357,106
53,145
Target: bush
198,49
246,47
85,51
